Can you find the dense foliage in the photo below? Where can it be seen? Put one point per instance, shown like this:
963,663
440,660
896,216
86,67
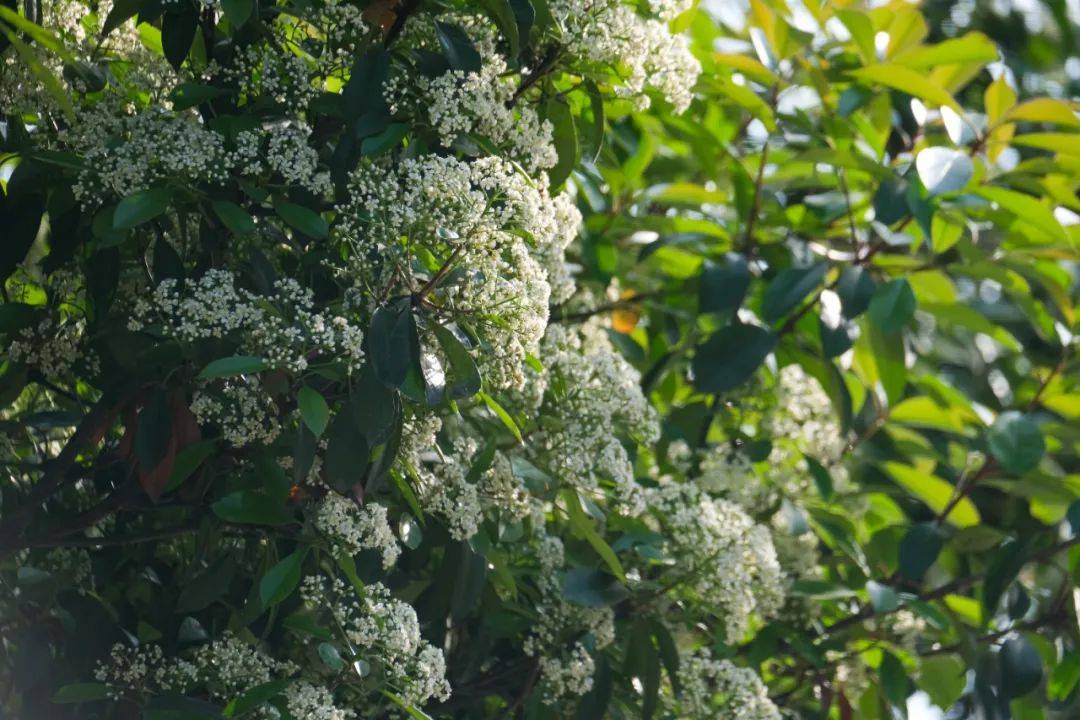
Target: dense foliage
533,358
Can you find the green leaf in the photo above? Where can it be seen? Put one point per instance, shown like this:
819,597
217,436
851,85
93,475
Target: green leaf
855,289
256,697
232,366
898,77
280,581
237,11
413,712
892,306
944,170
1016,442
392,342
788,289
882,597
81,692
348,451
566,140
919,548
1064,677
177,33
888,351
1005,565
1029,212
313,409
895,683
457,47
234,217
388,138
1021,667
583,528
731,356
466,376
188,95
252,508
140,207
303,219
207,586
153,431
121,12
933,491
973,47
592,588
723,285
1046,110
500,413
943,677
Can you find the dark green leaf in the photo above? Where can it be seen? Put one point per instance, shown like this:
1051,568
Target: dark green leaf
207,586
466,377
188,95
894,680
731,356
234,217
281,580
788,289
313,409
723,284
251,507
140,207
457,47
566,140
81,692
1016,442
303,219
232,366
892,306
392,342
177,33
855,288
237,11
153,431
592,588
919,549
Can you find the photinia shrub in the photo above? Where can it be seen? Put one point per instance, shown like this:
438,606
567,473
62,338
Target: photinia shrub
532,358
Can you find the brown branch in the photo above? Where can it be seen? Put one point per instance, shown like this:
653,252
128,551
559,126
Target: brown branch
941,591
130,539
90,430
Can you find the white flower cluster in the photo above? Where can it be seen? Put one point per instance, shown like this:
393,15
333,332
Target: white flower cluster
283,150
714,688
357,527
306,701
728,562
731,475
504,234
445,488
648,56
245,413
224,668
53,346
480,103
77,24
263,72
126,154
383,631
593,397
566,666
283,328
805,414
